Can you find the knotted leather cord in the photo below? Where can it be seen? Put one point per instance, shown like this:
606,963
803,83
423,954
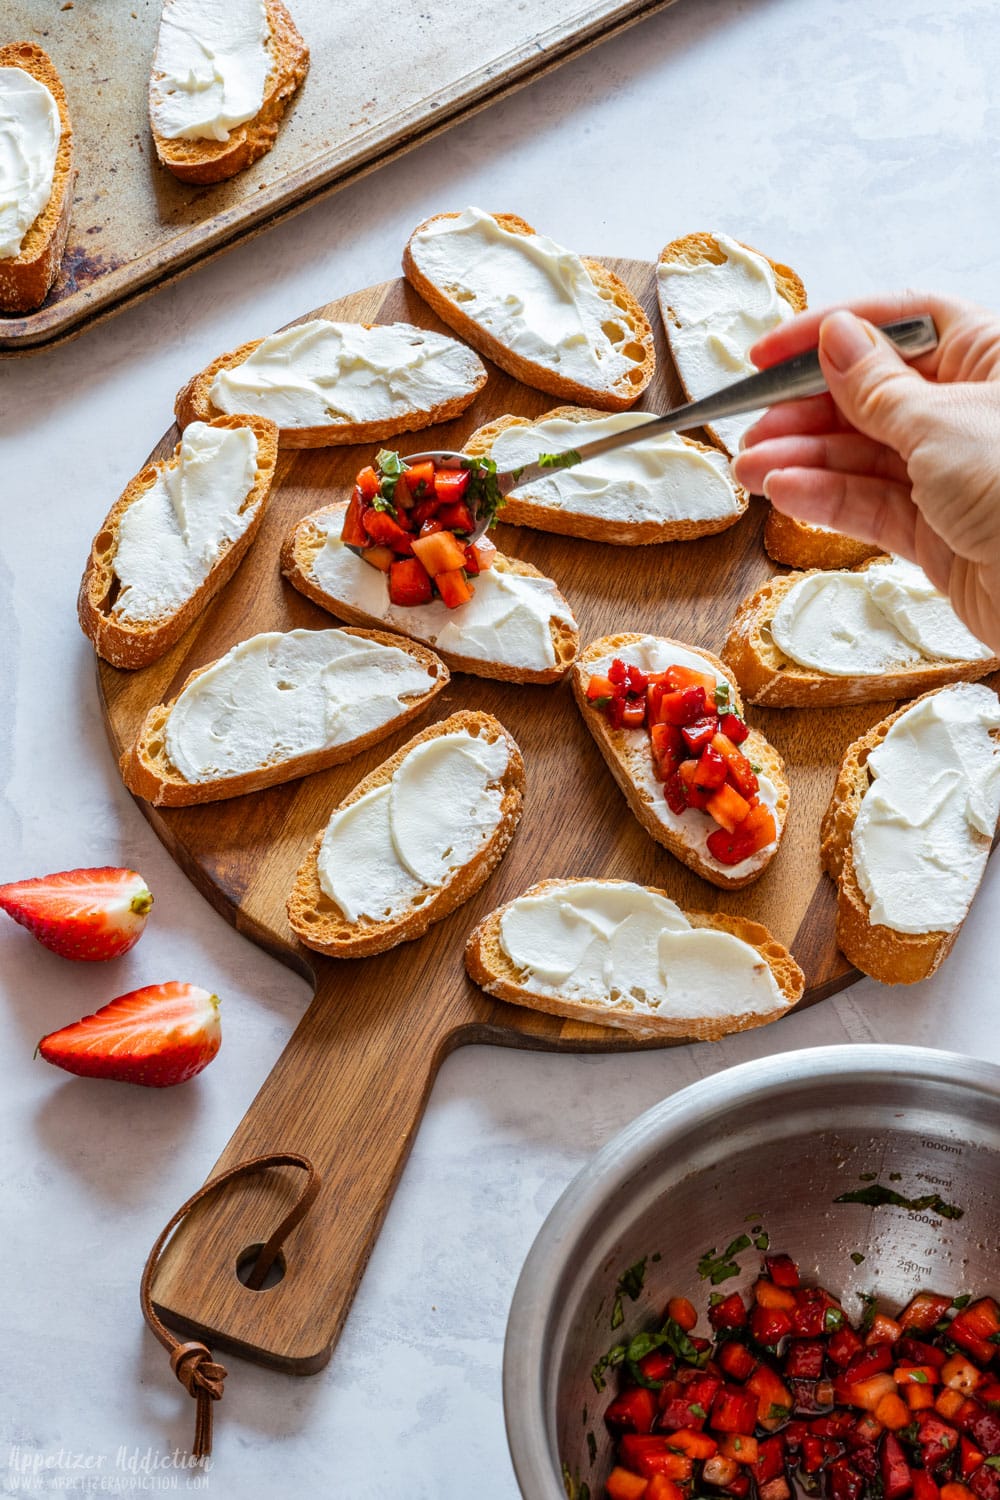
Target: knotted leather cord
192,1362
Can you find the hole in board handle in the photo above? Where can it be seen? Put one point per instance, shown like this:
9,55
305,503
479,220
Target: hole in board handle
247,1259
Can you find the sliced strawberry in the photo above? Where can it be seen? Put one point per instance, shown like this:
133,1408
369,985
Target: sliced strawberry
85,914
157,1036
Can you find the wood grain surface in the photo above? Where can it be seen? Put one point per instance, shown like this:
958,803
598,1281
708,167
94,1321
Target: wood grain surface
349,1089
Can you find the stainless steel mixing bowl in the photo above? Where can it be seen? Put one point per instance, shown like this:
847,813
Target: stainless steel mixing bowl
771,1142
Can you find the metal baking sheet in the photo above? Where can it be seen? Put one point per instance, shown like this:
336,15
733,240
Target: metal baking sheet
135,227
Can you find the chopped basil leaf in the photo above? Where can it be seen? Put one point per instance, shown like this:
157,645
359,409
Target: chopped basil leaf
614,1356
762,1241
720,1267
870,1303
867,1176
755,768
657,1256
895,1176
631,1281
857,1257
962,1301
878,1196
389,466
697,1410
591,1446
918,1376
559,460
715,1298
992,1463
722,701
776,1413
617,1313
833,1319
484,496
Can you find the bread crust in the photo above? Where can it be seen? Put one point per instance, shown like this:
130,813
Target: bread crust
130,645
305,540
204,162
888,956
318,922
147,772
797,544
767,677
488,966
25,279
611,744
519,511
693,249
627,388
194,404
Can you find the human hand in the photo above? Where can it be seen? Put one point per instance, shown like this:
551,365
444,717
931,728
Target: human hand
905,456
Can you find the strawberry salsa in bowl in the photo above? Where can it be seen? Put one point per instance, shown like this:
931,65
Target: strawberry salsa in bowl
784,1393
847,1195
414,521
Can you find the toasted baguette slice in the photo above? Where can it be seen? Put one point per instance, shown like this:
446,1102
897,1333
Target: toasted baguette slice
208,161
133,644
491,968
884,954
620,751
148,773
194,403
306,541
623,310
694,249
522,510
798,544
768,677
321,924
25,278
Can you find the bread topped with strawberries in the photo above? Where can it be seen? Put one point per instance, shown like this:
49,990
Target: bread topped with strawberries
668,719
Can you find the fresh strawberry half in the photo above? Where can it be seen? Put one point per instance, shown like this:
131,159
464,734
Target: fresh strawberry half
87,914
160,1035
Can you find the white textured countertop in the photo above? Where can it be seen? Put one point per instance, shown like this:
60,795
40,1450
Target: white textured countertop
855,141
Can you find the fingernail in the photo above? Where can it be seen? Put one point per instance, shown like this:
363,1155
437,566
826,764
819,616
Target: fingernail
845,340
745,438
765,488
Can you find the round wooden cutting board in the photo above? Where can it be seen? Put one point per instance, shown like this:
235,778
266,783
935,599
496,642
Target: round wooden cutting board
349,1089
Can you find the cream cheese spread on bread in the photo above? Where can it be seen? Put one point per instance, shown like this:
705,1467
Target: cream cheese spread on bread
210,68
922,835
865,623
402,840
605,943
174,532
322,372
716,314
651,654
274,697
663,479
507,620
533,295
30,131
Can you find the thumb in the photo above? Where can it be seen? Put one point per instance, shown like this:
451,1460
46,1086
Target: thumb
873,387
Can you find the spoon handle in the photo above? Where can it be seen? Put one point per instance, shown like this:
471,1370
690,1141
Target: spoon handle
788,381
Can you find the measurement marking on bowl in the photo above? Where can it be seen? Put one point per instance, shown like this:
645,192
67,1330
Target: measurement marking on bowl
943,1146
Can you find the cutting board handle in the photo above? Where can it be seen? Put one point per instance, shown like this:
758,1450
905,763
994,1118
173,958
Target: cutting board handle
348,1092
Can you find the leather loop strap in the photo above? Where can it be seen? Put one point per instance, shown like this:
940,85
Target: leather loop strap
192,1362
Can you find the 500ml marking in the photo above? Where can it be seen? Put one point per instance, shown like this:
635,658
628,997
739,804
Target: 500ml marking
945,1146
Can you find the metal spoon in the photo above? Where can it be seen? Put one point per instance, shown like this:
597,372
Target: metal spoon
788,381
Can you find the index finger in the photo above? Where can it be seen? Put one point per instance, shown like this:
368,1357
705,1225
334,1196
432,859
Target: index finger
802,333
